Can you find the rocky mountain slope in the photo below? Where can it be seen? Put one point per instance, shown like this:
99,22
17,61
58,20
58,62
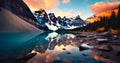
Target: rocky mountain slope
9,22
19,8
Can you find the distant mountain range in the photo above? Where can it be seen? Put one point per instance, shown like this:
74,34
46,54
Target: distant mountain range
53,23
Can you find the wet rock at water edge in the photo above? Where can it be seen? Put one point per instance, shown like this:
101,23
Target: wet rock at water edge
81,48
28,56
101,41
105,48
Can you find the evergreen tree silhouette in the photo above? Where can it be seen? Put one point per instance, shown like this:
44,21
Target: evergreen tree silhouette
113,20
118,18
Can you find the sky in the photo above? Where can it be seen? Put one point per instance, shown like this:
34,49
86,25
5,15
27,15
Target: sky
72,8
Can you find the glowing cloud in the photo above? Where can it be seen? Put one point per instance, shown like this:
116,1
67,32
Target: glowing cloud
69,13
100,7
45,4
65,1
59,12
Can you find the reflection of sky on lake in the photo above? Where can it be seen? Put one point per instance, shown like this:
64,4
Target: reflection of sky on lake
60,48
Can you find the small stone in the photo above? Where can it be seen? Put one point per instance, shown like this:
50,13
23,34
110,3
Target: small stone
81,40
57,60
68,52
64,48
115,37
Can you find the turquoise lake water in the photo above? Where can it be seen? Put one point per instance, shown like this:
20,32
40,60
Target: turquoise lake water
47,47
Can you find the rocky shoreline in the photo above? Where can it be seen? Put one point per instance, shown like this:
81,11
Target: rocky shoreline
105,46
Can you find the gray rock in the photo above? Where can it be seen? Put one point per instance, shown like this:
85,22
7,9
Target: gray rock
101,41
106,34
81,48
115,37
105,48
81,36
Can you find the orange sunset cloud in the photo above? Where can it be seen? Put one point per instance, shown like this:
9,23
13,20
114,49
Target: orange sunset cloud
100,7
62,13
69,13
65,1
45,4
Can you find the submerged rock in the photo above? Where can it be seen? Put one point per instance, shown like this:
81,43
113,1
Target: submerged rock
85,54
68,52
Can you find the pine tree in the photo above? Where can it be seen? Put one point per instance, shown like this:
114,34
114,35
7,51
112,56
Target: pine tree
113,21
118,18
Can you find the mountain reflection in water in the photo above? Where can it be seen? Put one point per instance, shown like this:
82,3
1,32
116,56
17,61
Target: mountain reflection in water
60,48
44,48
